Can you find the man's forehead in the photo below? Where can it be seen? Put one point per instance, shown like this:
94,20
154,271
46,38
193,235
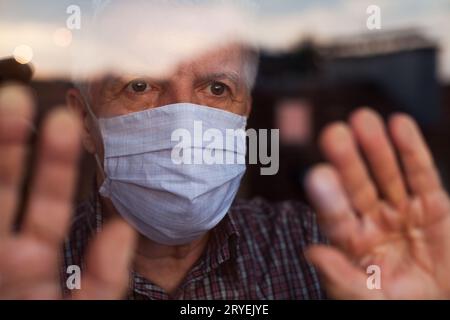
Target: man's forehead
223,59
226,61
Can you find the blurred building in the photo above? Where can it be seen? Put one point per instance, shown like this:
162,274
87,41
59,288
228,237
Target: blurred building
392,71
401,64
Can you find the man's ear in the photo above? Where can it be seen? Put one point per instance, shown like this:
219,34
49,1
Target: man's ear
77,104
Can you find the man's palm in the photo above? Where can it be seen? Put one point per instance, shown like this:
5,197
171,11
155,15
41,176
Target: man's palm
379,217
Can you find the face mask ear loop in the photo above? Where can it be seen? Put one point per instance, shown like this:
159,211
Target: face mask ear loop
94,118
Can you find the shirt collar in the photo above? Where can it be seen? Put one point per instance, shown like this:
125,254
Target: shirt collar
223,244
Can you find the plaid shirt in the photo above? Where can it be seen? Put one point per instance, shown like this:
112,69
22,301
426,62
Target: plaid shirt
255,252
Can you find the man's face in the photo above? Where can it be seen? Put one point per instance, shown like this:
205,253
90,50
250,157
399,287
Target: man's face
216,79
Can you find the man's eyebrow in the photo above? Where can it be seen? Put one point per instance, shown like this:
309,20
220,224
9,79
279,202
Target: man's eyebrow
112,82
230,75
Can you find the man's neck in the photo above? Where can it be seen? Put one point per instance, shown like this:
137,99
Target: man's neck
167,266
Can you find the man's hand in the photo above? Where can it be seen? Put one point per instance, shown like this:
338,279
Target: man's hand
29,259
380,215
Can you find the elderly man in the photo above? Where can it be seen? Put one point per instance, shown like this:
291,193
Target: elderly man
193,243
156,230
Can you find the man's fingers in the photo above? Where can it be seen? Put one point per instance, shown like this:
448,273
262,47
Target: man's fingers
328,197
108,262
339,147
370,132
340,277
16,118
419,167
49,208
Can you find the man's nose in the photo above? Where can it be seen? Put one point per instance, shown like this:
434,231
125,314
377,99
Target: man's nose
177,94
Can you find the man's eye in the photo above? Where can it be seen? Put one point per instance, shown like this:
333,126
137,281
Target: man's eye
138,86
217,88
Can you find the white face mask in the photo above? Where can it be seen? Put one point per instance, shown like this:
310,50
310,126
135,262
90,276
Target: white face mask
167,202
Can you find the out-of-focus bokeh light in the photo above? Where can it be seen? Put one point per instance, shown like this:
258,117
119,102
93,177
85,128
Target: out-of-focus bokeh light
23,54
62,37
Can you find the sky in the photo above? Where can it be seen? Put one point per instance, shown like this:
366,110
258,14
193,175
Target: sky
273,24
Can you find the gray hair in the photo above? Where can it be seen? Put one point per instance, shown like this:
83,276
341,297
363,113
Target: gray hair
251,66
